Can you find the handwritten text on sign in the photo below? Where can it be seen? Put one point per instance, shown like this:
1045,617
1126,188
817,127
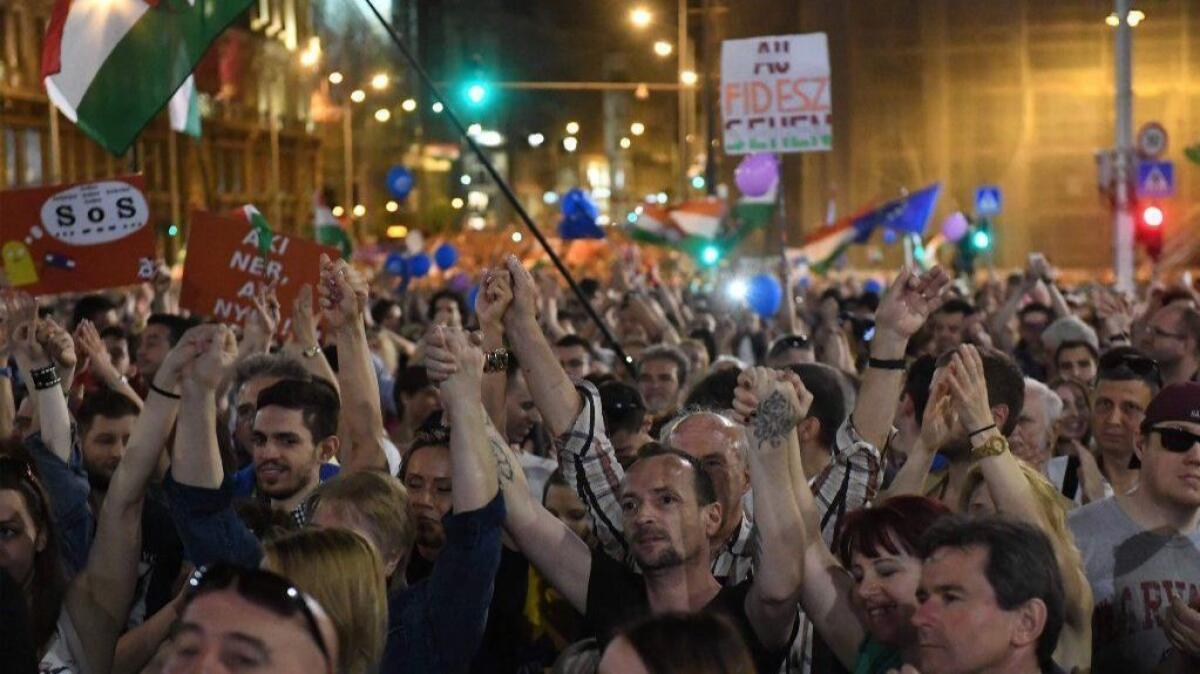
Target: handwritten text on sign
775,94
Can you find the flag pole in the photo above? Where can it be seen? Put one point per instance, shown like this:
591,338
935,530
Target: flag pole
504,187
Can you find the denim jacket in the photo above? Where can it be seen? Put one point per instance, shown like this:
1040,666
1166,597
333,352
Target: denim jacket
67,486
434,625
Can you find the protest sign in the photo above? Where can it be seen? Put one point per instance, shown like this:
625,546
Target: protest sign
775,94
225,268
76,237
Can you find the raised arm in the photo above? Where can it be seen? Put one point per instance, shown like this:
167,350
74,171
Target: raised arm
904,309
941,415
826,589
552,390
196,461
261,323
458,367
304,344
1040,268
41,376
771,603
493,299
100,596
344,301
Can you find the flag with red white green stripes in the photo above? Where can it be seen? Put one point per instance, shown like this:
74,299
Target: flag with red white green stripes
110,66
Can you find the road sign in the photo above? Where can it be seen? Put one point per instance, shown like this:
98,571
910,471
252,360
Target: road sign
1156,179
987,201
1152,140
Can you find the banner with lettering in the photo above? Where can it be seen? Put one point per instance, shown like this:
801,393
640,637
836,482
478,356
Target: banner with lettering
77,237
775,94
225,268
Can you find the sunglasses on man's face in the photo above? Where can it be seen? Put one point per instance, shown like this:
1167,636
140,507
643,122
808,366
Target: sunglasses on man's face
263,588
1177,440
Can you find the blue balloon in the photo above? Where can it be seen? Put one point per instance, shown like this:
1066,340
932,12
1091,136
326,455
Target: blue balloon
446,256
395,264
420,264
400,182
873,286
577,202
472,295
579,226
889,236
764,295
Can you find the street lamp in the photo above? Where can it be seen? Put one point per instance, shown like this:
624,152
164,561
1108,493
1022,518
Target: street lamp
1134,17
640,17
437,108
625,142
572,128
516,237
475,129
663,48
358,95
536,139
409,104
338,211
359,210
637,128
465,179
335,77
688,78
456,203
383,115
391,207
570,143
379,81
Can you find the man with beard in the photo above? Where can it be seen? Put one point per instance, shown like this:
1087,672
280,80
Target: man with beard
662,372
1175,342
670,508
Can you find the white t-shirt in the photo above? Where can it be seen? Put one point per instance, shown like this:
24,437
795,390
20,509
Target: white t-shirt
1056,472
64,655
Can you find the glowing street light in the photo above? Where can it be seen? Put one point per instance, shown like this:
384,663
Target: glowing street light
335,77
456,203
1134,17
391,207
536,139
358,95
625,142
437,108
475,129
516,237
572,128
570,143
640,17
409,104
397,231
637,128
688,78
663,48
359,210
338,211
379,81
383,115
464,179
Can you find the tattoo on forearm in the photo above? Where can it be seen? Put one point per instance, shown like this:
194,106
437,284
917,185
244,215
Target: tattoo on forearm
773,420
504,467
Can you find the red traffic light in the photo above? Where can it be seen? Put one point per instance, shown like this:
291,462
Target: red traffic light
1152,216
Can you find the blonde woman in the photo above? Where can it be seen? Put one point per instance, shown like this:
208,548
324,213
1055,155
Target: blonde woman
342,571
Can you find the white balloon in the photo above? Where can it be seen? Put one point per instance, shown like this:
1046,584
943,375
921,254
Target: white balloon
415,241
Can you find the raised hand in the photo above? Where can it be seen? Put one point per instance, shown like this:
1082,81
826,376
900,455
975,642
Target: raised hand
88,339
768,405
968,385
454,363
908,302
215,355
524,291
941,417
22,314
1038,269
58,343
343,293
263,322
494,297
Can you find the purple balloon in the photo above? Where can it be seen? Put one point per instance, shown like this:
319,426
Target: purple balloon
955,227
756,174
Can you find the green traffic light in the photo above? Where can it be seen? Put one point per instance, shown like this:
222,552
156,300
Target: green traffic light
173,231
698,182
981,240
710,255
476,93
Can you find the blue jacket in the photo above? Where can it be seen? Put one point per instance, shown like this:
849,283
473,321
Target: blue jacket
434,626
67,486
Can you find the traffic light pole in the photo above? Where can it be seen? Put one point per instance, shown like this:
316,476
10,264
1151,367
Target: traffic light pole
1123,256
626,361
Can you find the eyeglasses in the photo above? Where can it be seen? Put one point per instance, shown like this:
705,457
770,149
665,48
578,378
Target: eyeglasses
1176,440
1142,366
268,590
791,342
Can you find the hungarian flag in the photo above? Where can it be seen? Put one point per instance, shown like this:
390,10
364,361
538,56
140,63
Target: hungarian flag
110,66
253,217
327,230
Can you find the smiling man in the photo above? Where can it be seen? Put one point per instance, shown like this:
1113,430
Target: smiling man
1141,550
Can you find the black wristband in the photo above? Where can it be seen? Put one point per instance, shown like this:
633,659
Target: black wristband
985,429
165,394
885,364
45,377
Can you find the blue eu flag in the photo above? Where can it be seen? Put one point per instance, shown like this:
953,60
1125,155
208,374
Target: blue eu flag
908,214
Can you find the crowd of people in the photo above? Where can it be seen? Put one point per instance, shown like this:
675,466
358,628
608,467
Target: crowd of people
938,478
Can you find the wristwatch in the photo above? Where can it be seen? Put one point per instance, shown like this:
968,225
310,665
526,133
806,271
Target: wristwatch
311,352
995,446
